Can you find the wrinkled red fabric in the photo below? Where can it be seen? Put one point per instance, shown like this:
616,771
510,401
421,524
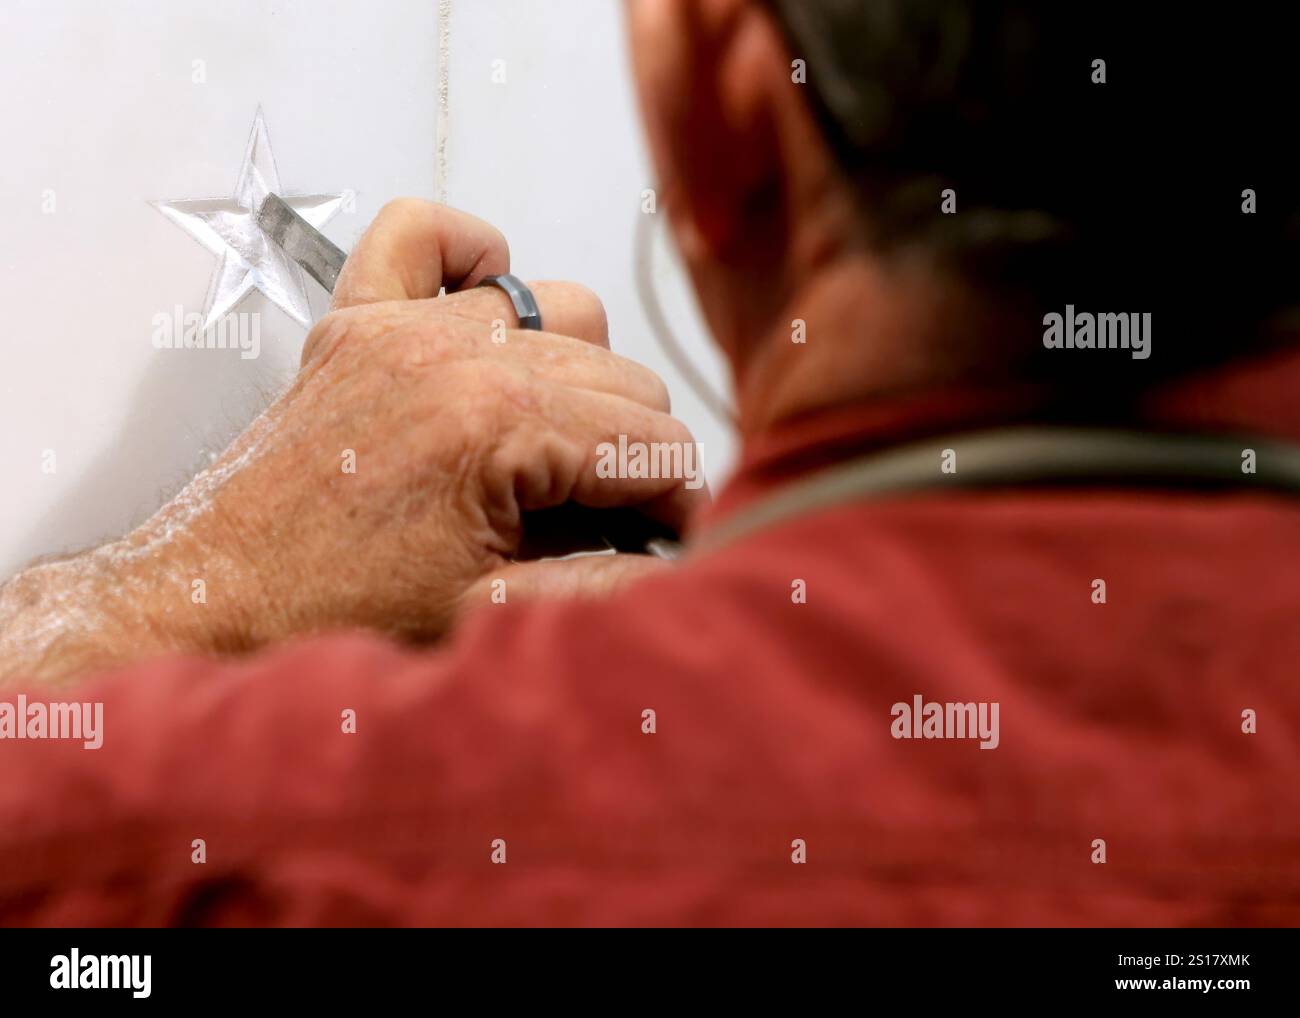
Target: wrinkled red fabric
1119,721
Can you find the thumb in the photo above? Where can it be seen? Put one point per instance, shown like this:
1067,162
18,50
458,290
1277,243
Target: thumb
581,576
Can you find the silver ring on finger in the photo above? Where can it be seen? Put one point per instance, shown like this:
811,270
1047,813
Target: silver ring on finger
525,304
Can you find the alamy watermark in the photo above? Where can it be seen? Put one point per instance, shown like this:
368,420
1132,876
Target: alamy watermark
933,720
181,330
75,971
1085,331
650,460
21,719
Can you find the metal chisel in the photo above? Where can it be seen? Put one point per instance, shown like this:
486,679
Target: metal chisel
319,257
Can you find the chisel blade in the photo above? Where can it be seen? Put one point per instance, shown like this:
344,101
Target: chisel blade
301,241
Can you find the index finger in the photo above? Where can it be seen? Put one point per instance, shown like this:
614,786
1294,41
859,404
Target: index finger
414,248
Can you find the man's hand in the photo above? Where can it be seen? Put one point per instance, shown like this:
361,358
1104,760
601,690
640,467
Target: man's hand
386,488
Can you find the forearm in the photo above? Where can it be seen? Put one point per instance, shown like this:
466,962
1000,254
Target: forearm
387,485
135,598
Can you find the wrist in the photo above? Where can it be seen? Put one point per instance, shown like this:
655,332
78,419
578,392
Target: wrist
69,617
163,589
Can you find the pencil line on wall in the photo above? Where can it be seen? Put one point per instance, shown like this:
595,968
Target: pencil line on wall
444,81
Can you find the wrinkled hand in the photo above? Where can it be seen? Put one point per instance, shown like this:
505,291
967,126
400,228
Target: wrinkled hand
387,487
455,423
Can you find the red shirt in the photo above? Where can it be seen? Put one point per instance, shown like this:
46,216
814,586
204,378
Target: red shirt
1119,722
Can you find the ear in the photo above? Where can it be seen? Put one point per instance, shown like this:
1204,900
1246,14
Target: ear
715,125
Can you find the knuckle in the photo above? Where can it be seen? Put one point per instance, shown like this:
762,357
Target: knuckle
402,209
497,238
328,334
643,384
678,431
490,384
513,388
586,298
587,304
433,341
579,306
492,402
657,395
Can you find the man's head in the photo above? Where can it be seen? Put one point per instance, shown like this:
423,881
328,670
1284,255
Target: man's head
985,165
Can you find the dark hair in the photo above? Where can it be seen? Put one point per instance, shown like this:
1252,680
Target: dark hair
1119,196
